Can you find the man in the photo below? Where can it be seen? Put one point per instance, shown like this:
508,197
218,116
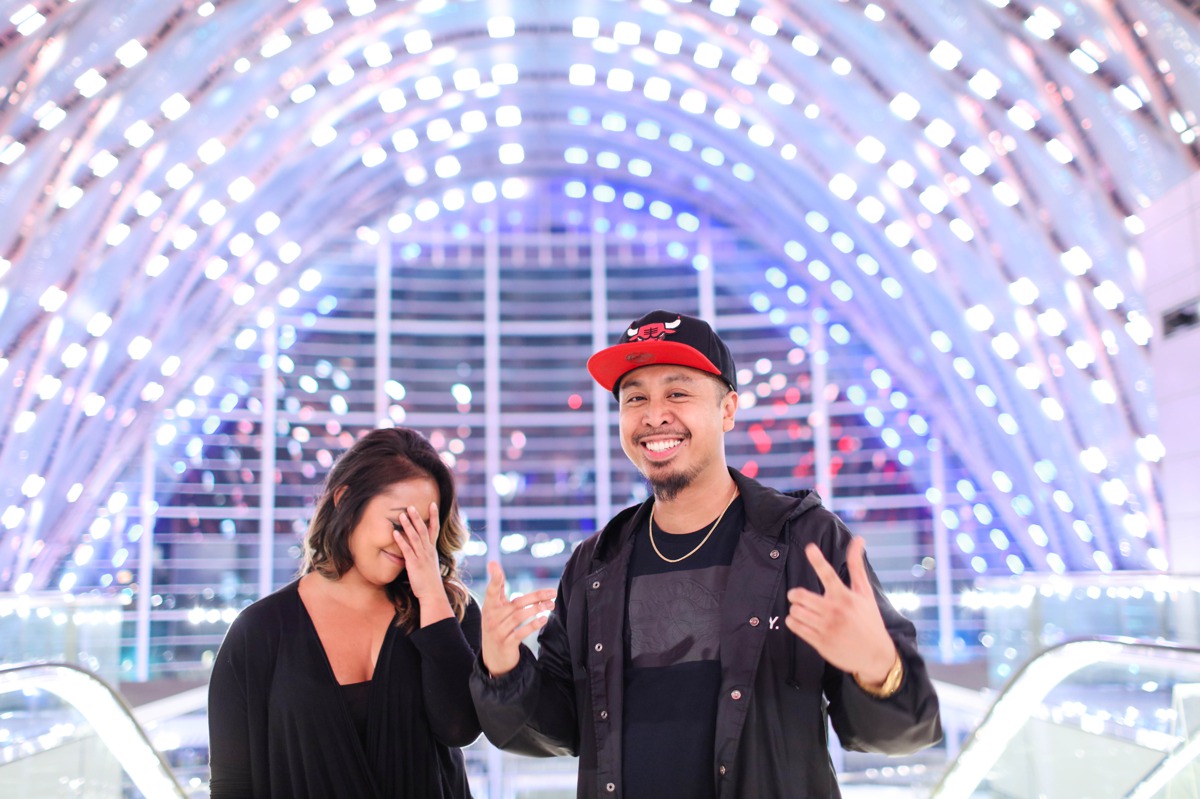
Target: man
698,642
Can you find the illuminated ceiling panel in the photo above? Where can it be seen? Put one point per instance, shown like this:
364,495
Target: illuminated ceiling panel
961,179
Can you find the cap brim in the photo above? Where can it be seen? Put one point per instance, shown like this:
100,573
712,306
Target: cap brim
609,365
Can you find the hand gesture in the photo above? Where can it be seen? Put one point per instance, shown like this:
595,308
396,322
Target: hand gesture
843,624
418,545
507,621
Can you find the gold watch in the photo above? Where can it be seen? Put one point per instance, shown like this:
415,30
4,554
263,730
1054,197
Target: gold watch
891,683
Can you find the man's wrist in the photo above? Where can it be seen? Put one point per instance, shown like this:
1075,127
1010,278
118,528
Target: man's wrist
890,684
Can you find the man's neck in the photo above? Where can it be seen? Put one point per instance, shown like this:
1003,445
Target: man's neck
695,506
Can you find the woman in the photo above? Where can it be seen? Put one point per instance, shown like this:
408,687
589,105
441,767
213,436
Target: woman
351,681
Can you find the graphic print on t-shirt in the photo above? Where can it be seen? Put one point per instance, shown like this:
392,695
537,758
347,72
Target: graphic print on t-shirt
673,661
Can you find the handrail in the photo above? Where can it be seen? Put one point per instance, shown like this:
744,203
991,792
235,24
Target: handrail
108,714
1027,689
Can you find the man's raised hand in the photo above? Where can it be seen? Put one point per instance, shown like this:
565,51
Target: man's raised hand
843,624
507,621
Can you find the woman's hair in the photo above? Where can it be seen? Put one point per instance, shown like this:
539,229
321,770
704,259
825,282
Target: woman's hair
376,462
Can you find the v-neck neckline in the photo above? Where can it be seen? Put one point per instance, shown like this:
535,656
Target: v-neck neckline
312,626
373,708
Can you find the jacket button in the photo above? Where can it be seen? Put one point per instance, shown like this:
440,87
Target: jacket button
596,584
774,554
599,647
603,715
754,621
610,788
722,771
735,694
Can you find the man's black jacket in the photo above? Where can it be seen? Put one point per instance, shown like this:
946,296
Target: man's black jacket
775,689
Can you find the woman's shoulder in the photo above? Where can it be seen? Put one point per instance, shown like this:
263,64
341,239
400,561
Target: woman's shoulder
270,609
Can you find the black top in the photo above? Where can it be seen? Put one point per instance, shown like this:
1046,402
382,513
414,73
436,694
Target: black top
358,699
279,725
673,659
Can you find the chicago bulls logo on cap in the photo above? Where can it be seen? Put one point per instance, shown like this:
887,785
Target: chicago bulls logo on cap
653,330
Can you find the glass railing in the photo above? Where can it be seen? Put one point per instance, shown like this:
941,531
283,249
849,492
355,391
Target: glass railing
64,732
1102,718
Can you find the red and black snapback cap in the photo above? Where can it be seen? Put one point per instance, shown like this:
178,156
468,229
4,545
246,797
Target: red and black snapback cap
664,337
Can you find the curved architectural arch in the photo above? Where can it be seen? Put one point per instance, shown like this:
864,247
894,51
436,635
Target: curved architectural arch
970,173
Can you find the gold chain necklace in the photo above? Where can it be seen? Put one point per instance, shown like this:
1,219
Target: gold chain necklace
702,543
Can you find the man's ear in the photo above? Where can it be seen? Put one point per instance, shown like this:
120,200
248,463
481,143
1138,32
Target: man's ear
729,404
337,494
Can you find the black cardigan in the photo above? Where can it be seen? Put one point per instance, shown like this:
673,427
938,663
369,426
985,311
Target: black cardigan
279,727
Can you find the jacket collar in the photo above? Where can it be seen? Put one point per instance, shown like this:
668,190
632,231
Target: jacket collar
767,512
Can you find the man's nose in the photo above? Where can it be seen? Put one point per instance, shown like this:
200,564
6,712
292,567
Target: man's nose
658,412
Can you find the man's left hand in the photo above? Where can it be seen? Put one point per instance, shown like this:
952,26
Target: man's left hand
843,624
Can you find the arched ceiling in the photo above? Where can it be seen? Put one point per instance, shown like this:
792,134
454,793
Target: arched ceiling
960,178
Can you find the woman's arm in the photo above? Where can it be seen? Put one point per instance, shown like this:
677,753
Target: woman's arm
448,649
228,725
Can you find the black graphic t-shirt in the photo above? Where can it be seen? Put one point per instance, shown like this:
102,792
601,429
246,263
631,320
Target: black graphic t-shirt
673,660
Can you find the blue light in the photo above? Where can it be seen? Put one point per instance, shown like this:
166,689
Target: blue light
579,116
648,130
867,264
797,295
1045,471
680,142
633,201
613,121
986,395
842,242
795,250
575,189
712,156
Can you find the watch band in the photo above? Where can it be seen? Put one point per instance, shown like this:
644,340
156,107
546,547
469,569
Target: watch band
891,683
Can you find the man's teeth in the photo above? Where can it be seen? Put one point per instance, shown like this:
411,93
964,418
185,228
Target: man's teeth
661,446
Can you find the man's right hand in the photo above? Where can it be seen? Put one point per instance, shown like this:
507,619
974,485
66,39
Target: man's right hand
507,621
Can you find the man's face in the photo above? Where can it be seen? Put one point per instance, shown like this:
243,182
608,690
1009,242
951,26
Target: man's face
673,420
